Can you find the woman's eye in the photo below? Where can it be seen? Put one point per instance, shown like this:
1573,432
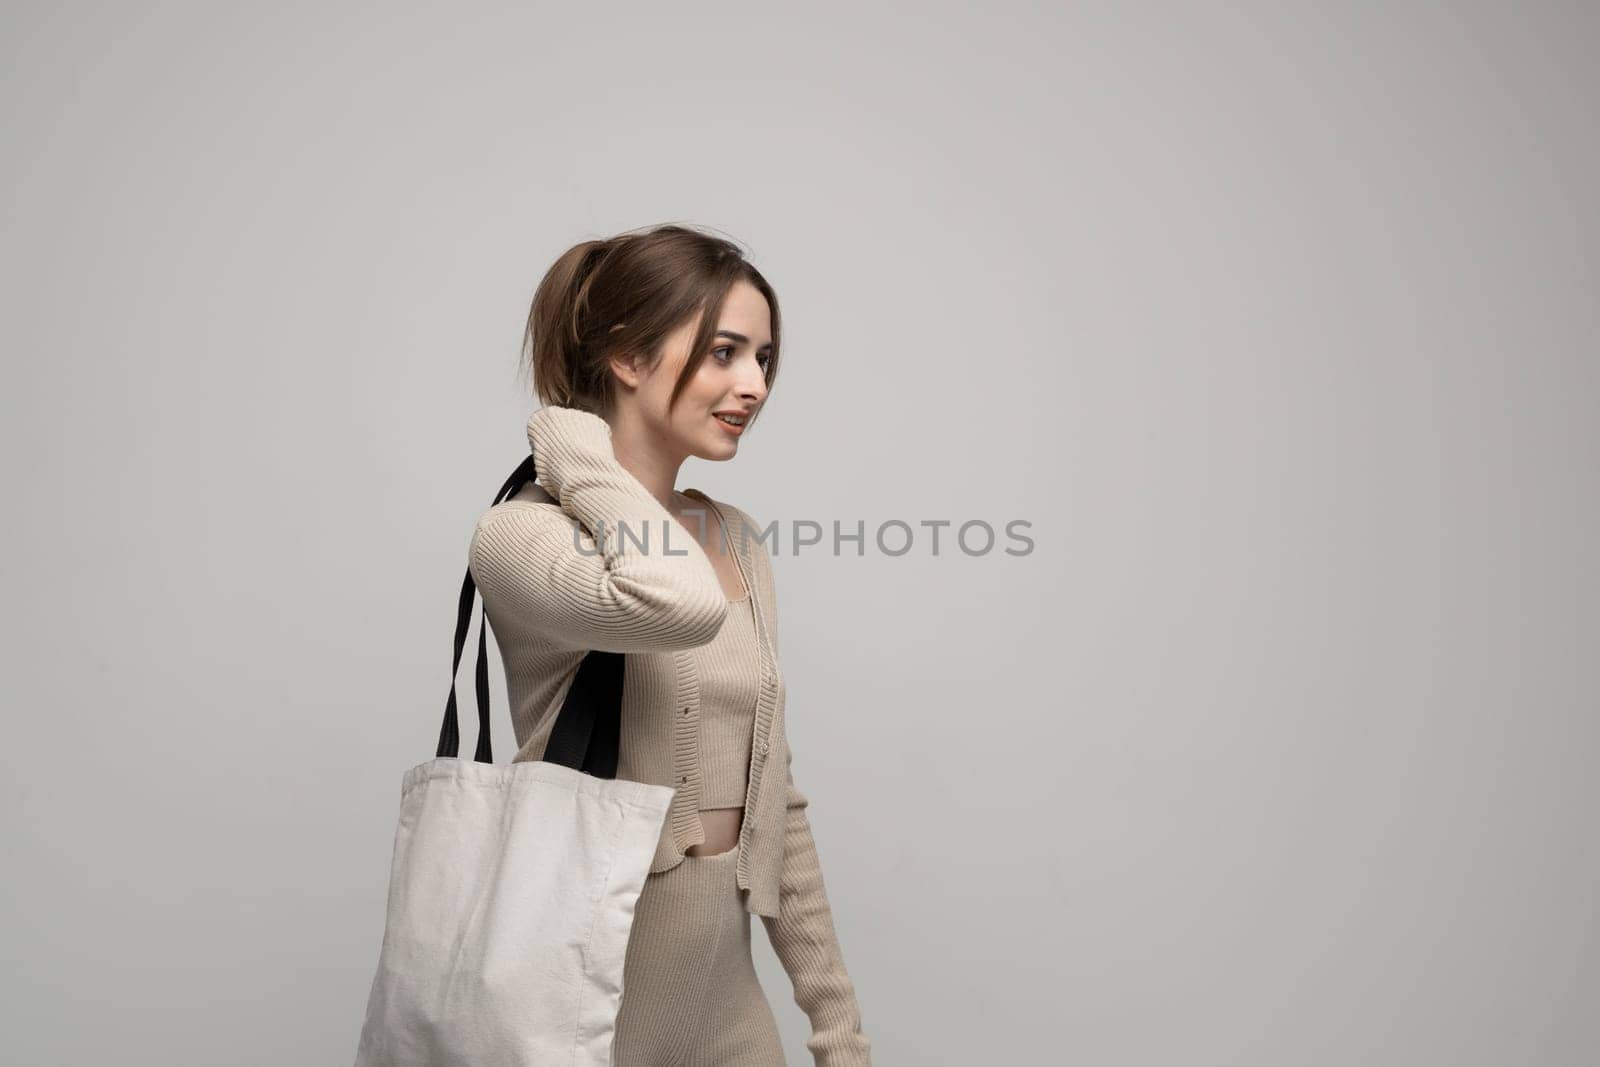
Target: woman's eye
725,354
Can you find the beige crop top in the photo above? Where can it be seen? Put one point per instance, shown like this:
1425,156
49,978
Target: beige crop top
730,683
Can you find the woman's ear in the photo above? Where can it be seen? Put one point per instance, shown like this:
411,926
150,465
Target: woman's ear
627,368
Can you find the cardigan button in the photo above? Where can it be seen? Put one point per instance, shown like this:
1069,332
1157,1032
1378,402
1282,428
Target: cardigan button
686,711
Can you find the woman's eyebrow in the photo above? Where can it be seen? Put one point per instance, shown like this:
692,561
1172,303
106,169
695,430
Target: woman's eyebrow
741,338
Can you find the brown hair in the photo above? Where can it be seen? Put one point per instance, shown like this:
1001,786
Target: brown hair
627,294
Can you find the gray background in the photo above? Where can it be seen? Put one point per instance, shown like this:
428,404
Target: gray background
1277,323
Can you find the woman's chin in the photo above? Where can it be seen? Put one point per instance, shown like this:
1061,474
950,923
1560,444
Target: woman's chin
718,449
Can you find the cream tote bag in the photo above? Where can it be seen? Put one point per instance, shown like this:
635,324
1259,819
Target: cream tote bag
512,887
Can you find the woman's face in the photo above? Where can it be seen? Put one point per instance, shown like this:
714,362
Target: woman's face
731,380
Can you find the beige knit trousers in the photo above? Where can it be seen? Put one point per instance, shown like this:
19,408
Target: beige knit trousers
690,995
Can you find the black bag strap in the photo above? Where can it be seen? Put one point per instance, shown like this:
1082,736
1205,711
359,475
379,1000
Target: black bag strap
588,729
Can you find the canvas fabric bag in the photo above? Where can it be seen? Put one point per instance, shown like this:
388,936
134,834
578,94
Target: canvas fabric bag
512,887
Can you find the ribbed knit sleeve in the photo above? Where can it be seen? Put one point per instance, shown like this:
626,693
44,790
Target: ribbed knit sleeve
611,568
803,934
804,939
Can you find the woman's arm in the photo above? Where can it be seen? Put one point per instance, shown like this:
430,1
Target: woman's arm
803,935
568,574
804,939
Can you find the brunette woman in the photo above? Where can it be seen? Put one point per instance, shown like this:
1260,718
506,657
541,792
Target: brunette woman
646,349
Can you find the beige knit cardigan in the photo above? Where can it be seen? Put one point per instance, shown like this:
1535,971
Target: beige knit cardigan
587,558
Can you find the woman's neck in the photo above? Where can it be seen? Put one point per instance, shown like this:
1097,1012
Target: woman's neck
642,457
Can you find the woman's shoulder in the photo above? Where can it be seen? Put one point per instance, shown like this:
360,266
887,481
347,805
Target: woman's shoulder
530,510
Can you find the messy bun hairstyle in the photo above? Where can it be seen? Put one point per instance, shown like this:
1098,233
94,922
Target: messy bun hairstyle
628,293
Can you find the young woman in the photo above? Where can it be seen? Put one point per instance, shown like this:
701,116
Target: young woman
646,349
